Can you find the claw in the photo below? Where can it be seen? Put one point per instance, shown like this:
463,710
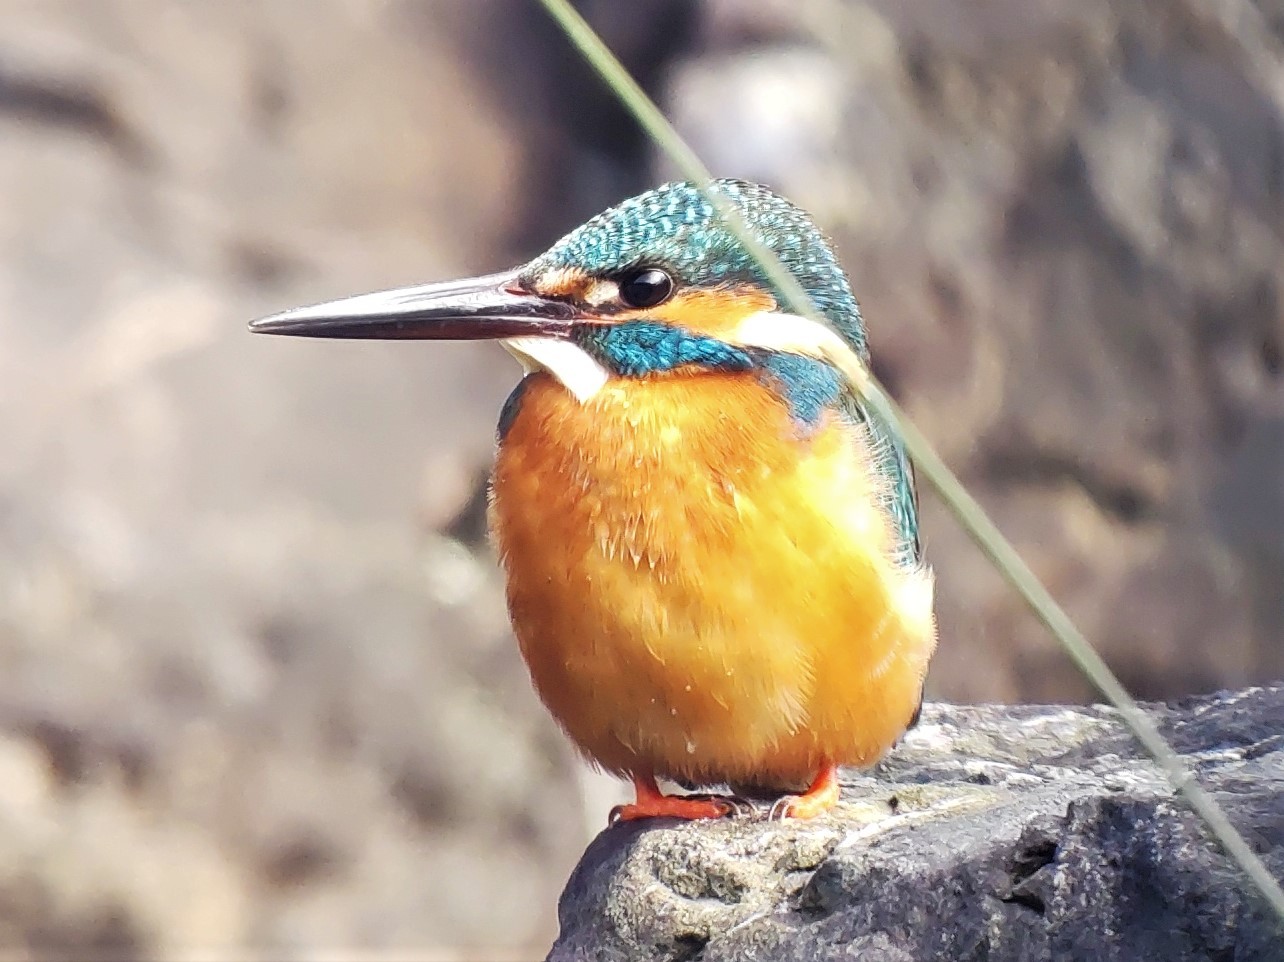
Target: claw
818,799
780,808
740,808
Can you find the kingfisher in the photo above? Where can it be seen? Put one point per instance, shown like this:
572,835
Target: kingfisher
709,538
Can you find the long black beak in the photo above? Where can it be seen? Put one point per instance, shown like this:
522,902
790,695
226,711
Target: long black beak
479,308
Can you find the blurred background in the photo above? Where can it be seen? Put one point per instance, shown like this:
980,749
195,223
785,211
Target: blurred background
257,692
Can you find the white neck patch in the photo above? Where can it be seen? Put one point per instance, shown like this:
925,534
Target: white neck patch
800,335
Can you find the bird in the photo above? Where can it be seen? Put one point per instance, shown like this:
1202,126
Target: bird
709,536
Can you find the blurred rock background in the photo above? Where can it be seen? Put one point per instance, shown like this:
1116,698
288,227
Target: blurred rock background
257,693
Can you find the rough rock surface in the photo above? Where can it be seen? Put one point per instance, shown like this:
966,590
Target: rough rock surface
991,834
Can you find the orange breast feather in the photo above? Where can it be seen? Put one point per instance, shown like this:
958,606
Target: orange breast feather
700,591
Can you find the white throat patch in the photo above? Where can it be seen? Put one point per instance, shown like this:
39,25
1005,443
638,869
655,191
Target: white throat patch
577,371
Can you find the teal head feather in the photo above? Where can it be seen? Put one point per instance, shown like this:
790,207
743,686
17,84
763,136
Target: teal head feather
676,228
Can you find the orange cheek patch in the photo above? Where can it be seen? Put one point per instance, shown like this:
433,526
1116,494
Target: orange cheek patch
715,312
566,282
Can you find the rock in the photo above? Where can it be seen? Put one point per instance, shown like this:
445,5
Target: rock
990,833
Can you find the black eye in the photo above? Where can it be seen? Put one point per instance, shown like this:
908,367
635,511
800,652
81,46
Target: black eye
646,287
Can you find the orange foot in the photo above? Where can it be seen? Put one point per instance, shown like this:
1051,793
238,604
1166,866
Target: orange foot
820,798
653,803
